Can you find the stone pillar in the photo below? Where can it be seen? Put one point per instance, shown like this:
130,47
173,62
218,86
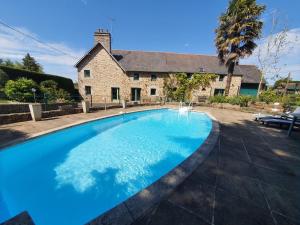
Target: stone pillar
85,106
35,111
123,104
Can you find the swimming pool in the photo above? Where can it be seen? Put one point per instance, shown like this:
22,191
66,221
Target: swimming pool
73,175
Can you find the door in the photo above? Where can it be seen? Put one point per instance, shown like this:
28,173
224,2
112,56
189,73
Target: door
135,94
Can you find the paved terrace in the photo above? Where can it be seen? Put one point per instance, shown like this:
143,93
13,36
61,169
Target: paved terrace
251,176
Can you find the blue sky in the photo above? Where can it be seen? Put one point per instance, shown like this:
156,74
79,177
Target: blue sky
152,25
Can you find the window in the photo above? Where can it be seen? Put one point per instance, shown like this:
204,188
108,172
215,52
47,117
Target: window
87,73
136,76
152,91
221,77
203,89
201,69
115,93
219,92
88,90
189,75
153,77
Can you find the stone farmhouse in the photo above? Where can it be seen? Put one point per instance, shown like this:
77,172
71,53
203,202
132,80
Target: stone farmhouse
112,75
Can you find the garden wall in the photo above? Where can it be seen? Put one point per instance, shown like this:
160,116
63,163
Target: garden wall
24,107
20,117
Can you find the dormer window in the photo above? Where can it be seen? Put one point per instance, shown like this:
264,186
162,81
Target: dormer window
136,76
201,69
87,73
221,77
153,77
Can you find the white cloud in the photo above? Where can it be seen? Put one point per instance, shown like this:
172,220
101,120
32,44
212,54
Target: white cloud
14,46
289,56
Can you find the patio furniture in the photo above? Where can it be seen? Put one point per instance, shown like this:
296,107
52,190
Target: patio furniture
286,115
292,120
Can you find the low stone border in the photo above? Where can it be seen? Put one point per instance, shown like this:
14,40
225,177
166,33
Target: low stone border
21,117
136,206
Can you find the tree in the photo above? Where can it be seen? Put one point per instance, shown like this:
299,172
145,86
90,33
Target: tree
281,81
8,62
269,54
3,78
49,89
29,63
238,28
20,90
180,86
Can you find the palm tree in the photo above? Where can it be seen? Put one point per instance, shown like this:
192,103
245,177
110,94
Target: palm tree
238,28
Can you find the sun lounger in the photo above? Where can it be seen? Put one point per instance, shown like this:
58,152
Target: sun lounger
279,121
286,115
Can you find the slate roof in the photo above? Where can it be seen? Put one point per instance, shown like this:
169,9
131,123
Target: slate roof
169,62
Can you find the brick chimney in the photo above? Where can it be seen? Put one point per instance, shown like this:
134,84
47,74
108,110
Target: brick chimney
103,36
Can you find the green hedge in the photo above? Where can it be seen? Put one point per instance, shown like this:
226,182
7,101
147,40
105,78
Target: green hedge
234,100
14,74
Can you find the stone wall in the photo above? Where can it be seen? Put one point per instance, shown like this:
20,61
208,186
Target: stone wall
24,107
146,84
20,117
105,73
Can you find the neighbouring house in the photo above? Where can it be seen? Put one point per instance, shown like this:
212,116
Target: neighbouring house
293,87
111,75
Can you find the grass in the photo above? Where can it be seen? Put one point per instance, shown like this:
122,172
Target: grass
3,101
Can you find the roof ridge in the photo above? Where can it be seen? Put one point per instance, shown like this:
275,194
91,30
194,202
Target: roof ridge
177,53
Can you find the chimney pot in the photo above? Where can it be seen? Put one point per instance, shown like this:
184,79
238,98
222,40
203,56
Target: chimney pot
104,37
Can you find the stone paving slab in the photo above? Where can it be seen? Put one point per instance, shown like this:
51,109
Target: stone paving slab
248,179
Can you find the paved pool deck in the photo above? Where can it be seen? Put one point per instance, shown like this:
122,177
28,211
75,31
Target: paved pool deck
251,177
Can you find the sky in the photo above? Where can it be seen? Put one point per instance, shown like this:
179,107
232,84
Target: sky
151,25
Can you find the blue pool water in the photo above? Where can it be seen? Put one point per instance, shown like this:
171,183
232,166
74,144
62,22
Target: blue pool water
72,176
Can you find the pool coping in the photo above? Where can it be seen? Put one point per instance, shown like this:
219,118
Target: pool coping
137,205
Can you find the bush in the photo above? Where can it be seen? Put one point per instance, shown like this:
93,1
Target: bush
20,90
235,100
62,82
49,89
244,100
268,96
62,96
217,99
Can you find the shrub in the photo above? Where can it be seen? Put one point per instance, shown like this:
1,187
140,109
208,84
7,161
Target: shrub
49,89
235,100
20,90
62,96
268,96
218,99
244,100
